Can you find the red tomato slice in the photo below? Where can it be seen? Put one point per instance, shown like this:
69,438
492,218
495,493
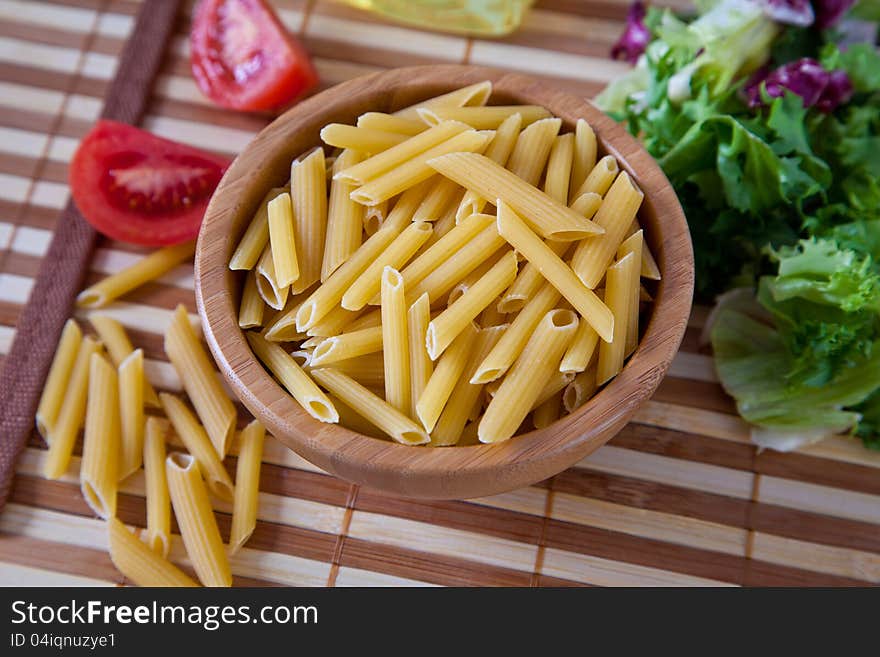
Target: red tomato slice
136,187
244,59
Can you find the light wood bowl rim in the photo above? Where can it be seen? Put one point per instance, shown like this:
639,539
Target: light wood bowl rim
456,472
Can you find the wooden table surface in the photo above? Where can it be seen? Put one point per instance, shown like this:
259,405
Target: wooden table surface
680,497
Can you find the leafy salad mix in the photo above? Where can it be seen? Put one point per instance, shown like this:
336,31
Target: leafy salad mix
765,116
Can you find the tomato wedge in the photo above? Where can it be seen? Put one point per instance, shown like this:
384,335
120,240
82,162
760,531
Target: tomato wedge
136,187
243,58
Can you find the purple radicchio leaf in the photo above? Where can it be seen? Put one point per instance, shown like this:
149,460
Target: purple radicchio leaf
818,87
635,37
828,12
790,12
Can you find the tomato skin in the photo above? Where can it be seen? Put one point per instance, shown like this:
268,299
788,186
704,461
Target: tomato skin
278,69
135,187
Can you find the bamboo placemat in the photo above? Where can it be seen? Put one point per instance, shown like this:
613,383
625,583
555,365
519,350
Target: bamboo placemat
679,497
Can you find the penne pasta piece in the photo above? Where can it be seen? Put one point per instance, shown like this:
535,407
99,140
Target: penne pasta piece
446,374
396,255
335,322
387,160
308,188
283,240
470,280
139,563
368,370
420,363
99,469
301,357
57,380
528,376
592,257
528,281
442,226
633,244
559,168
600,178
415,170
449,426
372,407
388,123
584,157
557,382
451,322
364,140
472,95
649,268
580,390
197,443
350,419
294,379
483,118
250,311
311,343
550,218
200,380
131,413
581,350
621,283
115,340
271,292
345,218
529,156
374,215
587,204
437,200
256,236
198,526
282,327
498,151
491,316
395,342
147,269
347,345
158,535
247,485
62,434
548,412
514,340
584,300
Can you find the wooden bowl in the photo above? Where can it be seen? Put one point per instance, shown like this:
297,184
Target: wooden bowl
453,472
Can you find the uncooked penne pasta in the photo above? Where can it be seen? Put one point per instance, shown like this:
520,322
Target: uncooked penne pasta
484,118
396,255
649,268
247,485
560,275
451,322
198,526
582,387
600,178
158,534
584,157
633,244
131,413
282,327
557,382
529,156
147,269
99,469
139,563
446,374
548,412
271,292
345,218
368,370
471,279
621,283
498,151
256,235
514,340
581,350
420,363
250,311
294,379
283,240
347,345
587,204
197,443
528,376
437,200
415,170
448,428
308,188
334,322
115,340
372,407
592,257
551,219
62,434
559,168
374,215
472,95
364,140
395,342
528,281
389,123
57,380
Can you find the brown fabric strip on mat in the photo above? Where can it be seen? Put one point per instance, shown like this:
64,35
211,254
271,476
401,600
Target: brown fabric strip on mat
65,265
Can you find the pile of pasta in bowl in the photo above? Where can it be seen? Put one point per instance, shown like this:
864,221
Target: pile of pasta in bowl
450,274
